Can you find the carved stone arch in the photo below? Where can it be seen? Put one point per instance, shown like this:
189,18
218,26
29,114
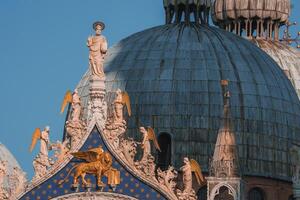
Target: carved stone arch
256,193
216,191
164,158
94,195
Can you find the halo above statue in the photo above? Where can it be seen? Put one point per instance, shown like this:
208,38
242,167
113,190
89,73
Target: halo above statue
98,23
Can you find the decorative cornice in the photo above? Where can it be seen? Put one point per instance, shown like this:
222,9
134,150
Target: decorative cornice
94,195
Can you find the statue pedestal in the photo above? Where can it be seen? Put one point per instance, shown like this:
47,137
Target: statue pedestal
97,109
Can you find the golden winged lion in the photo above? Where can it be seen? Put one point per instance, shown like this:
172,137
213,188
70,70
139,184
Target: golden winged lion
98,163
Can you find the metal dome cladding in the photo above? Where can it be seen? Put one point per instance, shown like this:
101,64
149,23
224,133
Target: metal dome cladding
172,74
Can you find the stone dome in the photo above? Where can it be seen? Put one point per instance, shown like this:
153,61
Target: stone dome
287,57
7,157
12,178
172,74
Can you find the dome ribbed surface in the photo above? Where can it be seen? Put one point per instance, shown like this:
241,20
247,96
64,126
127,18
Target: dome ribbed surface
278,10
6,156
172,74
286,57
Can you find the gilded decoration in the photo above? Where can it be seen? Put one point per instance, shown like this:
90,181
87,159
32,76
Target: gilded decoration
97,163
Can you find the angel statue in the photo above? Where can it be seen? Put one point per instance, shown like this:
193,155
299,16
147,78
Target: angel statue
148,135
98,163
98,47
75,127
116,123
122,98
187,169
74,100
147,164
41,162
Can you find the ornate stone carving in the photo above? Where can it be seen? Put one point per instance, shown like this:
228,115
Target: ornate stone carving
128,151
167,180
75,130
11,183
188,193
97,106
97,45
61,150
98,163
94,196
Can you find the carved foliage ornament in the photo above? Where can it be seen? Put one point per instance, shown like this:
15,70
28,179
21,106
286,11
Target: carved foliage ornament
11,183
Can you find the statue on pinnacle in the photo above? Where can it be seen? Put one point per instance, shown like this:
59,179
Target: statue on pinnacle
97,45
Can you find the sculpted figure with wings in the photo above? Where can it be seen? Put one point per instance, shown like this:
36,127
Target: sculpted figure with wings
74,100
41,161
148,135
98,163
122,98
190,167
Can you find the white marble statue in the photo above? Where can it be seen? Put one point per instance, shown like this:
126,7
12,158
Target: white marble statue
97,45
76,106
190,166
41,163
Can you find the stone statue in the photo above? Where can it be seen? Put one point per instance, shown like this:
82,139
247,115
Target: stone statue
74,100
295,160
147,164
121,99
190,166
115,126
75,127
98,47
42,162
76,106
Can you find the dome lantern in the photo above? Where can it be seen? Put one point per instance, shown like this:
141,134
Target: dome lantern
251,17
199,9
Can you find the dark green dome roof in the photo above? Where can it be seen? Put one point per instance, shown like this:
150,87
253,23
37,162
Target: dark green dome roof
172,74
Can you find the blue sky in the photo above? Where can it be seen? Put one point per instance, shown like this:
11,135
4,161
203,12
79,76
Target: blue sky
43,53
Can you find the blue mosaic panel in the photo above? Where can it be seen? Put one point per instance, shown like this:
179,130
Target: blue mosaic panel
130,185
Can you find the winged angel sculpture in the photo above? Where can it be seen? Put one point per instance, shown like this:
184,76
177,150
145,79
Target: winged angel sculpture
97,163
190,167
116,125
41,162
75,127
117,117
147,164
